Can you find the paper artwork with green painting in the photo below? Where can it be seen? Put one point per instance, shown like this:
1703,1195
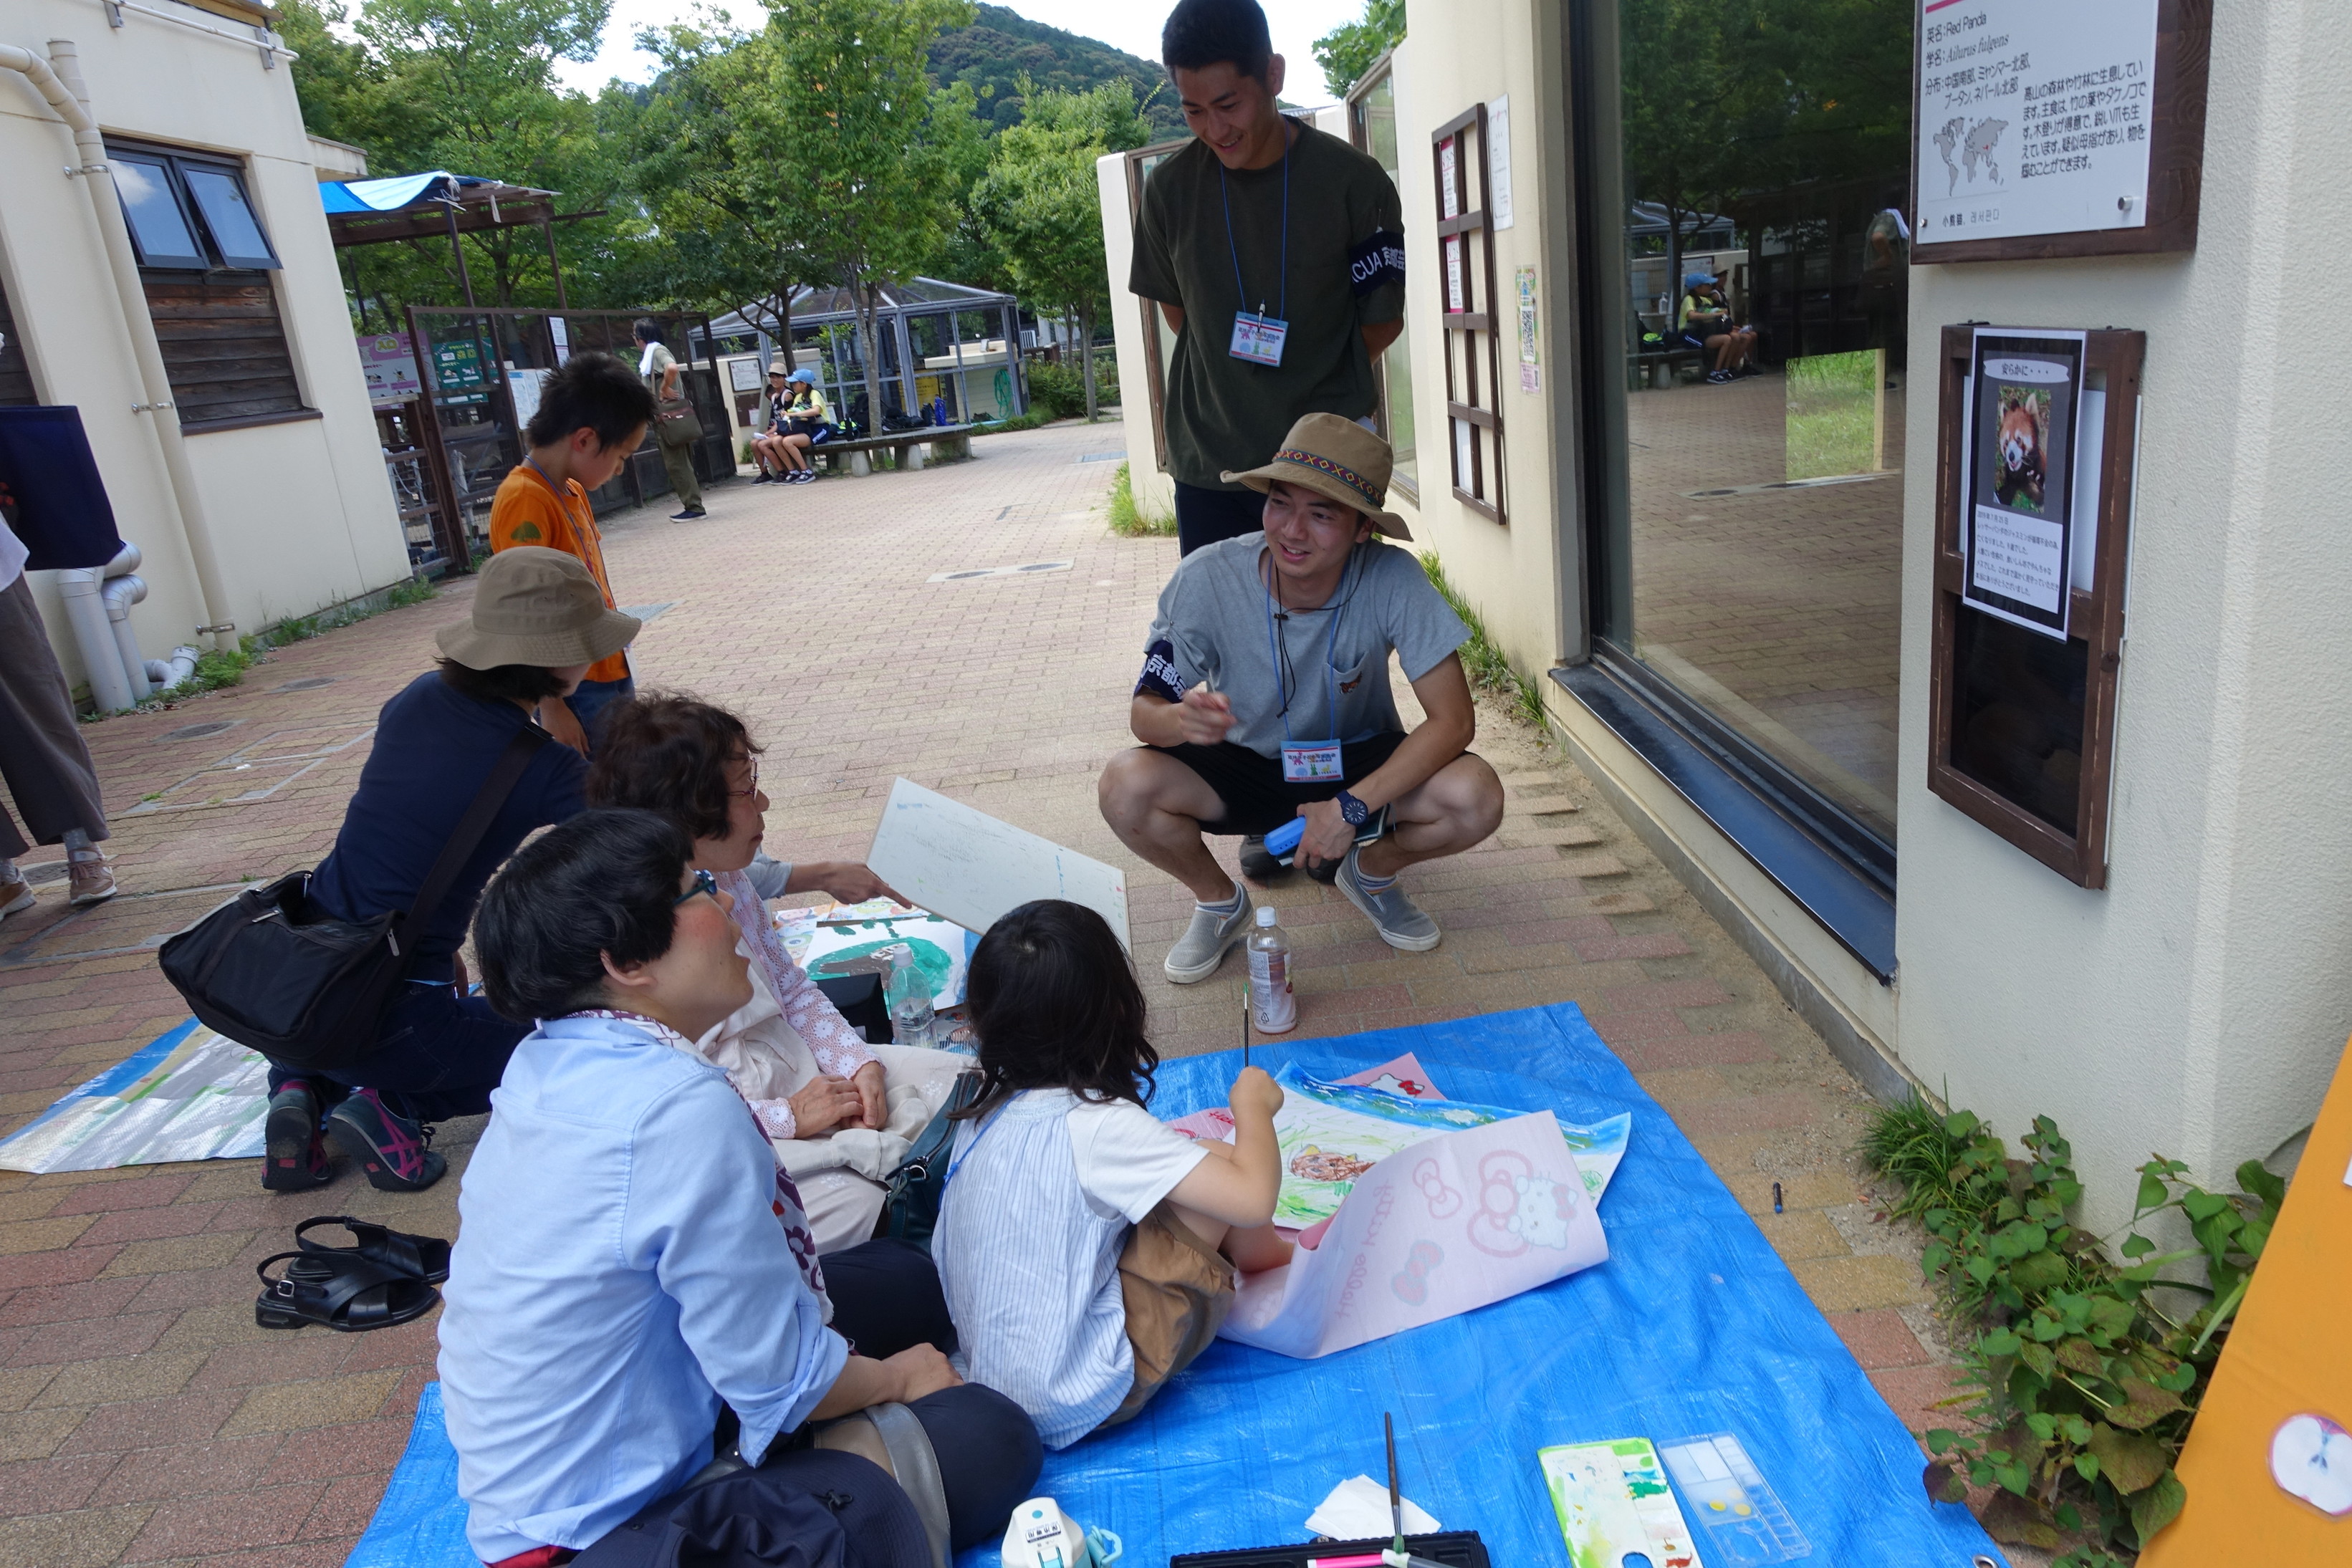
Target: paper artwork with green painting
1331,1134
829,947
1615,1505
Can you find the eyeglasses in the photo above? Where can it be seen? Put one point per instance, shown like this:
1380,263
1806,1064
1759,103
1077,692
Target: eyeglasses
752,788
703,882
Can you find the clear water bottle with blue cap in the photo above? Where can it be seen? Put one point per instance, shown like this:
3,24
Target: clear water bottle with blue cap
908,996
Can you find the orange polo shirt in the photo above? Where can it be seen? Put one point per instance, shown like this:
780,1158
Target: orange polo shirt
528,511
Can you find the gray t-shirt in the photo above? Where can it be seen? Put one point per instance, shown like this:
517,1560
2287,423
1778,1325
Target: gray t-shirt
1217,623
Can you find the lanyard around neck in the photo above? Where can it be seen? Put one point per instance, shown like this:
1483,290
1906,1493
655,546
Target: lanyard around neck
1282,283
1276,645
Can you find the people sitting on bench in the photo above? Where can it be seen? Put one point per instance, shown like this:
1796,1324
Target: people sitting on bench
634,1262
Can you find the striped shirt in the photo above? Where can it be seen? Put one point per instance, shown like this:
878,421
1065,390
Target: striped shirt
1039,1203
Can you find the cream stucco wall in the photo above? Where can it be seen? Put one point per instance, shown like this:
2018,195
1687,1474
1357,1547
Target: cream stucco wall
1512,572
2197,1004
301,514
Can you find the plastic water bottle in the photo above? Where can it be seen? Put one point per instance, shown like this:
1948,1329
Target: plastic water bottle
1272,1008
908,996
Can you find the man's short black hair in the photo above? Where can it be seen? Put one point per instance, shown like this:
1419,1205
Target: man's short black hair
591,392
501,683
647,330
1200,33
604,883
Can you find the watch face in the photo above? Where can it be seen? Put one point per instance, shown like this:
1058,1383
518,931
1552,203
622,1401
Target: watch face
1352,810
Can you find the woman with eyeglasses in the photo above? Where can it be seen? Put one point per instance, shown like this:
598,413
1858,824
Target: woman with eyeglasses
805,1070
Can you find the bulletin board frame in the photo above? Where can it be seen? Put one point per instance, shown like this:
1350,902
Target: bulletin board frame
2175,156
2095,615
1473,430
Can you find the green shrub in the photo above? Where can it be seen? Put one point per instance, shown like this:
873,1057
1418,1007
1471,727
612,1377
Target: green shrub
1059,390
2083,1386
1126,520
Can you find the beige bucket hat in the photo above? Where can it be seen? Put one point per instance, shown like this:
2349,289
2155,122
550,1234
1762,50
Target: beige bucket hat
1336,457
537,606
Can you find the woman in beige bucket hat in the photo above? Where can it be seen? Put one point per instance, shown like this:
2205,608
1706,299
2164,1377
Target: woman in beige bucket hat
537,621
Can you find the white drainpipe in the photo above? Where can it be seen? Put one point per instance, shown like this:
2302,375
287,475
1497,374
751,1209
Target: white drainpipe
124,587
62,87
109,683
181,667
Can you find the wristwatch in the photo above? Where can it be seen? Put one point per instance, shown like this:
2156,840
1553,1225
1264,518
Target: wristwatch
1352,810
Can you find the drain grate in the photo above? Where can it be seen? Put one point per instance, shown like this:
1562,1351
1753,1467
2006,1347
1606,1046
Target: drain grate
307,683
1102,456
198,731
1023,570
647,611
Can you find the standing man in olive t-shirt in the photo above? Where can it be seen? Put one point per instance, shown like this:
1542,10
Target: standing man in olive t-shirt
1276,253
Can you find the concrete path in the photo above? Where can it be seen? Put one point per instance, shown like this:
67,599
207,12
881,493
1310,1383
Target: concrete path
144,1418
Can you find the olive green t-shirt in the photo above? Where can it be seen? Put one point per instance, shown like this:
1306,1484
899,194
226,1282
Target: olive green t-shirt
1345,271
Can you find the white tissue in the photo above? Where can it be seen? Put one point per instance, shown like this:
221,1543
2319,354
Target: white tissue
1357,1509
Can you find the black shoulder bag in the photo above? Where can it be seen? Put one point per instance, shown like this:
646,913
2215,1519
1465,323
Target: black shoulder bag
271,972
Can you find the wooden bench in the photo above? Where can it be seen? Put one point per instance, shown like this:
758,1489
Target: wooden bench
947,444
1659,366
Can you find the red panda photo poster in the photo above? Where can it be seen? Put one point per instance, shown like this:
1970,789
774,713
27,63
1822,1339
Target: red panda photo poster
2017,517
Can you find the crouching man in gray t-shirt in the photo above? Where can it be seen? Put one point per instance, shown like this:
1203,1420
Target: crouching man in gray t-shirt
1264,696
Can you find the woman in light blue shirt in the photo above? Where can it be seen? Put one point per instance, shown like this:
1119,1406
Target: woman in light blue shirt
632,1259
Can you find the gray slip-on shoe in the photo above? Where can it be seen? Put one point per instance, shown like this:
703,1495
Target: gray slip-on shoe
1399,920
1197,953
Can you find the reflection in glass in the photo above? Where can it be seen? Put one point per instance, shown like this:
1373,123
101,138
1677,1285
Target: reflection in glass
236,233
156,220
2017,719
1763,254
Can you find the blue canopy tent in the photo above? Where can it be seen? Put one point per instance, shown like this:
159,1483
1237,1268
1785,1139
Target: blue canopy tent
423,206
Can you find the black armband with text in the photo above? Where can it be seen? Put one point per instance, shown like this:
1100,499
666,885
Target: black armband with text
1377,261
1160,677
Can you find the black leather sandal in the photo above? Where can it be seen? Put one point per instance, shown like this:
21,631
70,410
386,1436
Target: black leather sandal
338,1290
421,1257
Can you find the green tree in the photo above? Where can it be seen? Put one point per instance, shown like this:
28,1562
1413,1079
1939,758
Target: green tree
1040,202
1348,51
840,105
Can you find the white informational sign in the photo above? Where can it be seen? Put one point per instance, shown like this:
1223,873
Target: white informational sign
1453,273
1449,193
2025,402
525,386
561,334
964,865
1498,160
1530,349
390,366
2033,119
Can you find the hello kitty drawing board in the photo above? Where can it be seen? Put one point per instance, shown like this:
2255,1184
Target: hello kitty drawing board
1453,1222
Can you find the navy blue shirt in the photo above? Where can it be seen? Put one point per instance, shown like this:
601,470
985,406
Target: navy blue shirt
434,746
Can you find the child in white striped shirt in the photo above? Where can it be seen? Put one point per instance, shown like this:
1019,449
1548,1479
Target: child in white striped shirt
1088,1250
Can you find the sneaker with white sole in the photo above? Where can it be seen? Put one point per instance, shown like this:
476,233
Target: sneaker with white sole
88,876
16,896
1197,953
1400,921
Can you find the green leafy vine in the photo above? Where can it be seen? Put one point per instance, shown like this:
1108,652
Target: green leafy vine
2082,1386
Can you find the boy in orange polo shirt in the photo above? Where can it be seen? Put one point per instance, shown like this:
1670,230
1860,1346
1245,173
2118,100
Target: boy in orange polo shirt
592,412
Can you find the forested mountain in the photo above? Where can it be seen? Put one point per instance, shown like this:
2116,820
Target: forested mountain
998,48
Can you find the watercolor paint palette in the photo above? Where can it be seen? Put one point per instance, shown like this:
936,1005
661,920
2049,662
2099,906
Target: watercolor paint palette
1734,1504
1615,1506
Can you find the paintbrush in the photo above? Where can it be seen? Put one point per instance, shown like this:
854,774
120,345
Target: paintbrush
1396,1497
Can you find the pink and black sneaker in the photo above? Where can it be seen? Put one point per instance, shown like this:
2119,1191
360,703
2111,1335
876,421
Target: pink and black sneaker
294,1156
389,1146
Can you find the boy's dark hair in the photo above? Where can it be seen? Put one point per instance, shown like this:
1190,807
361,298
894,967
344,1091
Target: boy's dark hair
670,754
501,683
647,330
1200,33
591,392
1053,1005
604,883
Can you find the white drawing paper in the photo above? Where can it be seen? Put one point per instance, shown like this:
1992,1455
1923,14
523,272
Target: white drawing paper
964,865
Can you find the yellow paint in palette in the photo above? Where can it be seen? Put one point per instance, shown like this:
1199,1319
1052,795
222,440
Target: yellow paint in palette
1614,1502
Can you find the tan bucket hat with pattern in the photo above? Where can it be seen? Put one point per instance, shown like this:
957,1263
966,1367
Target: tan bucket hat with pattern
1335,457
537,606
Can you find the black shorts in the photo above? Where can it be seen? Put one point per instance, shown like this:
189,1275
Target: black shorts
1257,799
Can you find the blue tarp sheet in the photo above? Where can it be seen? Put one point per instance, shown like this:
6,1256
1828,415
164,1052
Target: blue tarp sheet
1692,1326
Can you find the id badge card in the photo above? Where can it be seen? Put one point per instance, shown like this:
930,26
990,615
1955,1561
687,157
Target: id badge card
1258,338
1311,762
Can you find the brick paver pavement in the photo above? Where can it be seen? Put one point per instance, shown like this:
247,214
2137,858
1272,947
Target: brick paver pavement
144,1418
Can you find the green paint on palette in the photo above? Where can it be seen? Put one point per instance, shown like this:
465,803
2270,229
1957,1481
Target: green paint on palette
931,961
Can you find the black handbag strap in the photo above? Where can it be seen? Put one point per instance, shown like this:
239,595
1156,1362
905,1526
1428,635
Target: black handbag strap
505,774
